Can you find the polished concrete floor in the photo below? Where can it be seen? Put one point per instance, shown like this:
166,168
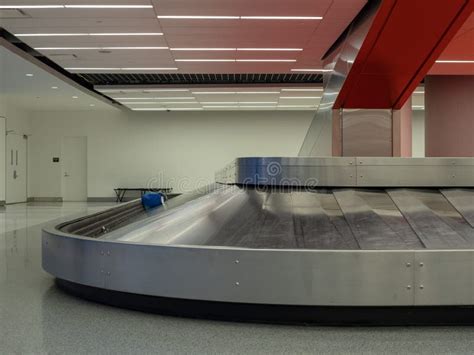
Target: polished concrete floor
37,318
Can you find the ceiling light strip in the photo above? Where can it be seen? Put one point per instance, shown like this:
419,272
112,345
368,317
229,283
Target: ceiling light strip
13,7
95,48
86,34
121,69
310,70
191,17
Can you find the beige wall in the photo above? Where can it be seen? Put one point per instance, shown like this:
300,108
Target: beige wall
182,149
449,107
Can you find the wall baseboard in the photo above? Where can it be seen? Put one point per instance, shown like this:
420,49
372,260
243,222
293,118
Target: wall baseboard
45,199
101,199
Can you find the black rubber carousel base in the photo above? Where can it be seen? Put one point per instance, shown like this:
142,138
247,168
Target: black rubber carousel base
282,314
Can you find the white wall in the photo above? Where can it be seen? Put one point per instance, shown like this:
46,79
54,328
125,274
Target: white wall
179,149
418,133
12,118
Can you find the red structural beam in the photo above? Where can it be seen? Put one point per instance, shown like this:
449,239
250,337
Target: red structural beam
404,41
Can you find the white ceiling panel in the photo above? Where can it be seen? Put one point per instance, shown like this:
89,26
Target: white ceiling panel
313,36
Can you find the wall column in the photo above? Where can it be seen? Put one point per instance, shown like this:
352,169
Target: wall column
449,116
402,131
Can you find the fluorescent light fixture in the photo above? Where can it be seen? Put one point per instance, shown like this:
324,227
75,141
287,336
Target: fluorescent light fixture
119,69
76,6
168,109
165,90
75,97
66,48
203,49
150,109
253,106
108,6
190,17
95,48
54,87
418,106
138,103
214,92
297,90
153,98
49,34
92,105
256,102
307,106
312,70
239,49
133,98
235,60
257,92
233,92
204,60
272,49
119,48
281,17
201,17
299,97
128,34
9,7
178,103
85,34
95,69
222,106
148,69
455,61
219,103
175,98
418,92
266,60
29,75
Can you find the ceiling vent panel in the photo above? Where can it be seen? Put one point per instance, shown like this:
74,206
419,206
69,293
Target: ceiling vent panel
198,79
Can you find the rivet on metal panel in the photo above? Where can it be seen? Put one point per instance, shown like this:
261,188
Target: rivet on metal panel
237,261
361,162
101,253
350,163
453,176
350,176
362,176
422,264
108,273
422,287
237,283
409,287
108,253
408,264
101,271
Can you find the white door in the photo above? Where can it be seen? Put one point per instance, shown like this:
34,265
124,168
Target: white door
16,161
74,168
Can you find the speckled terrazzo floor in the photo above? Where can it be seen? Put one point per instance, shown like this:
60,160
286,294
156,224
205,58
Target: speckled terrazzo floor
37,318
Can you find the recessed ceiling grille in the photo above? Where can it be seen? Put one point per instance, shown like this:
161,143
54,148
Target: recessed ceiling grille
203,79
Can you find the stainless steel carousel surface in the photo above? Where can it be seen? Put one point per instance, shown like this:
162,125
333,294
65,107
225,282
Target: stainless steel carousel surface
325,240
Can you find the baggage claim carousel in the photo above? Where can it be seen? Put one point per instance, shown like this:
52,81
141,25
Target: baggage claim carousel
299,240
